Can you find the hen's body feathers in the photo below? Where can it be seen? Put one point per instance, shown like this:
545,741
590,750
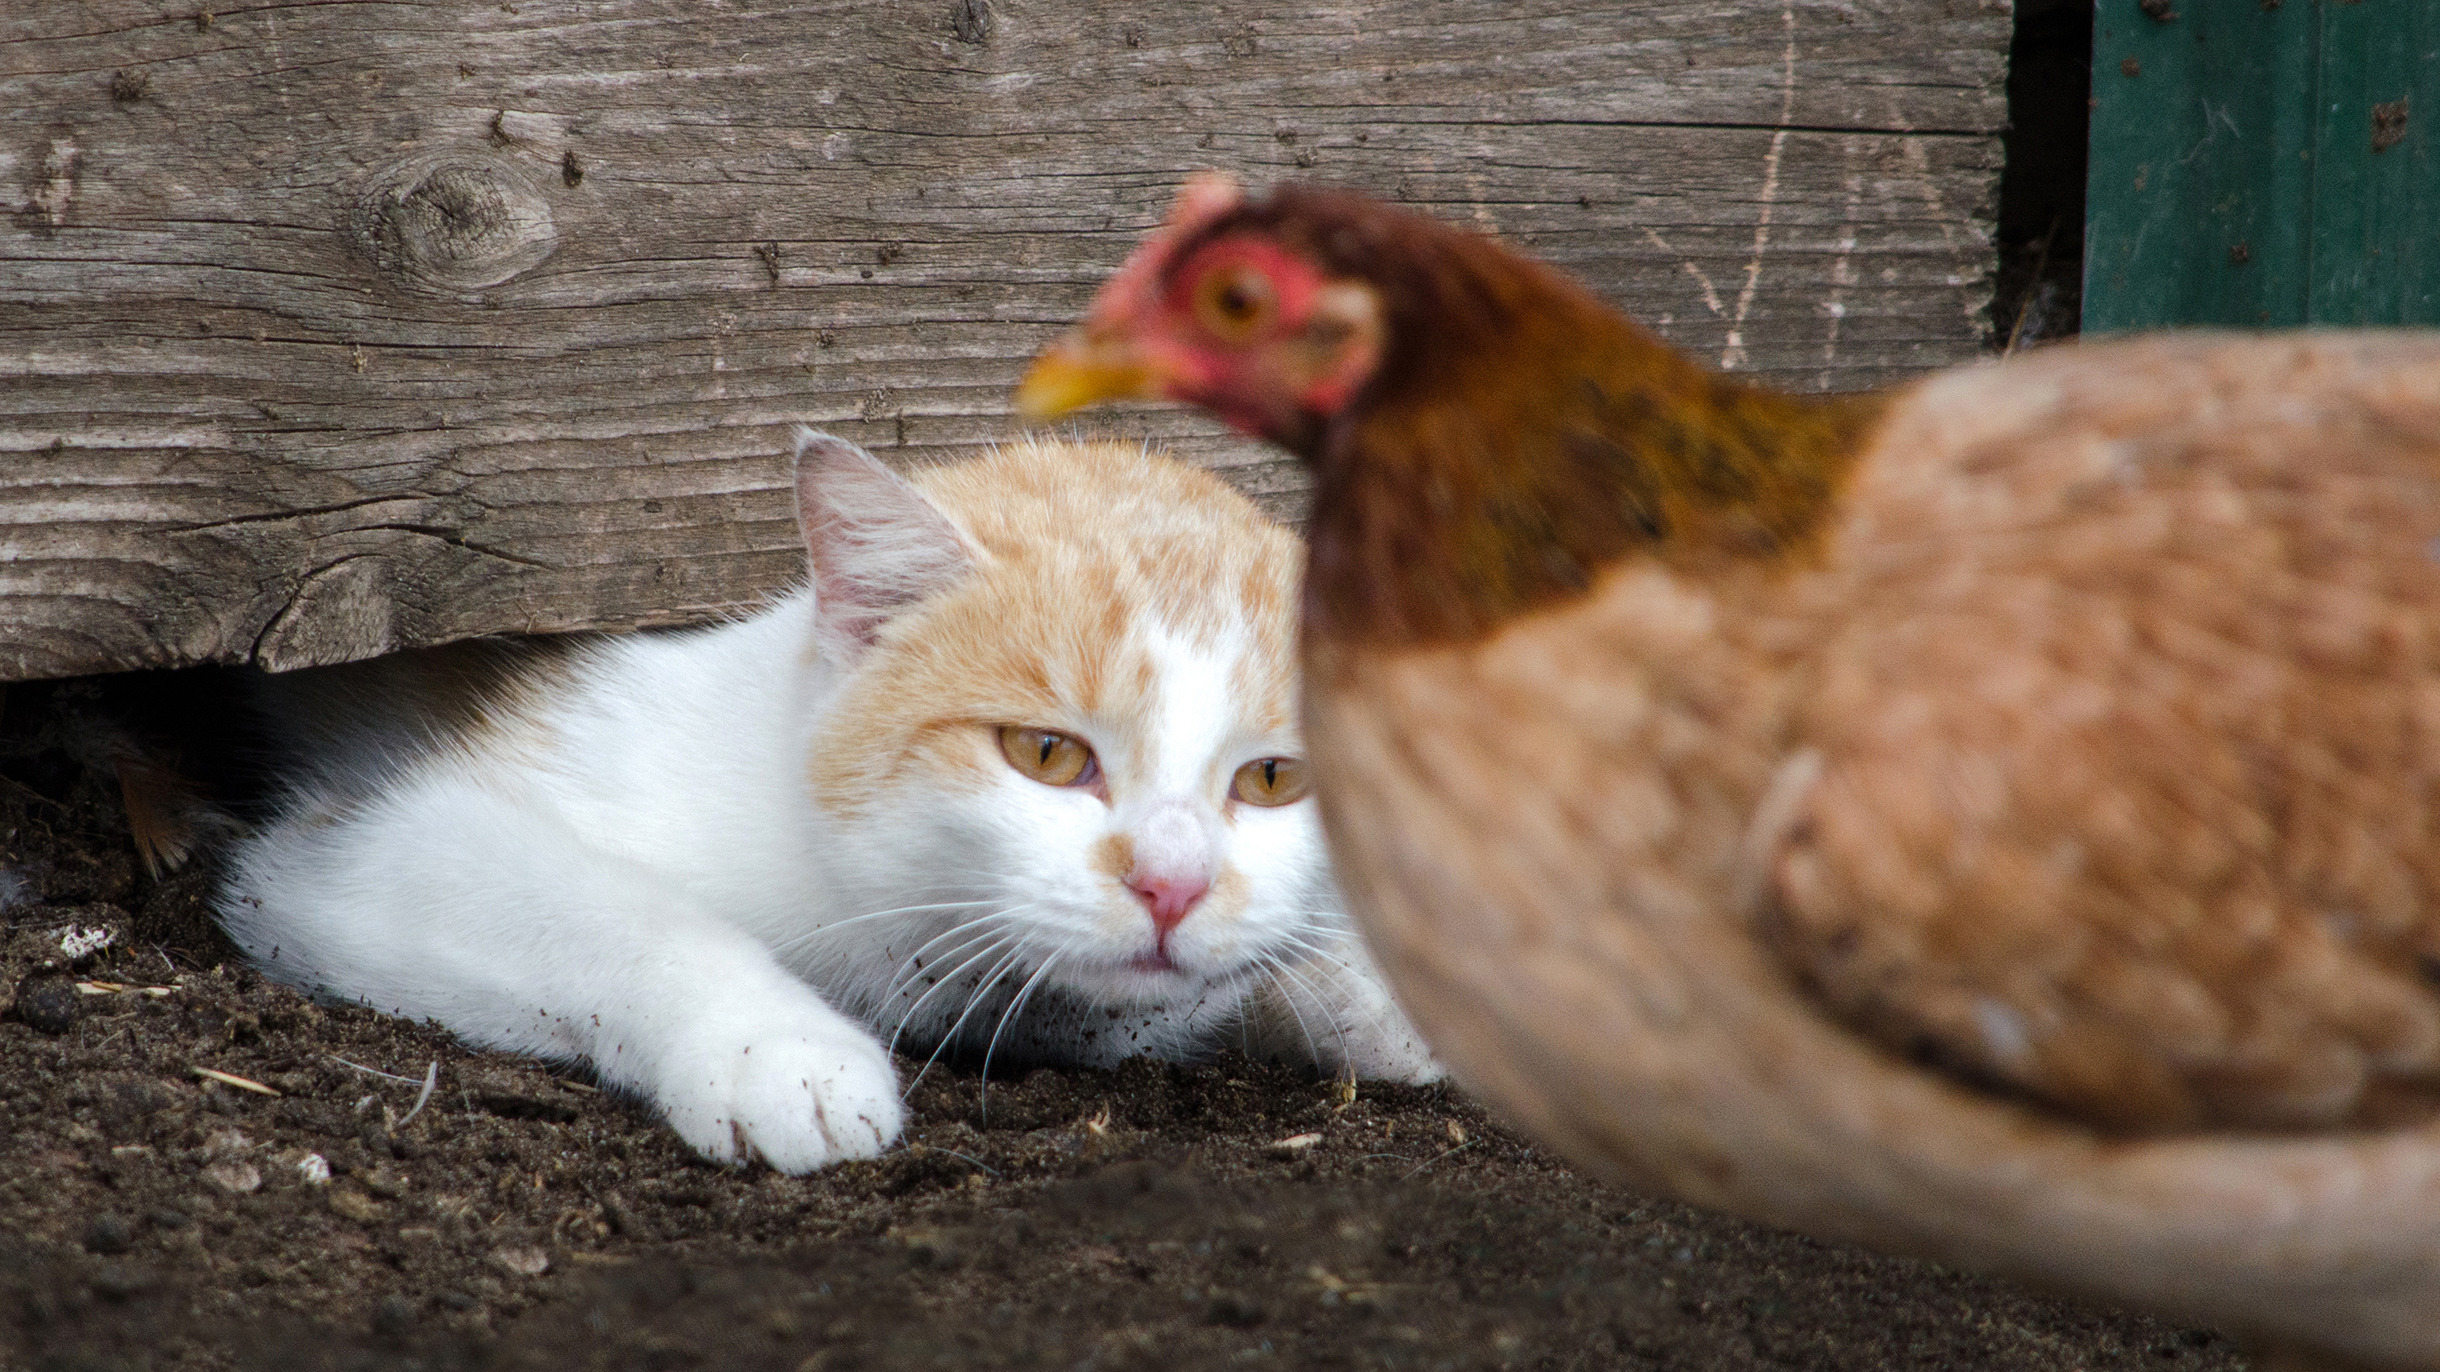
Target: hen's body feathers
2101,751
2093,758
2123,670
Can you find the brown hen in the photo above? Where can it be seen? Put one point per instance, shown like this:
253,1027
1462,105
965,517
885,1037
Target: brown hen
1998,818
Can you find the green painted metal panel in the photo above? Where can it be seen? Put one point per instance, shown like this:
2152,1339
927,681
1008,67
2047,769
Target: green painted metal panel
2263,163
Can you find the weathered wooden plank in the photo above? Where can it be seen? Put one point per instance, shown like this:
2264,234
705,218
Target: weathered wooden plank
330,328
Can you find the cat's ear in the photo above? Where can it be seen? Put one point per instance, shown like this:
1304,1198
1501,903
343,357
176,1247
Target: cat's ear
877,545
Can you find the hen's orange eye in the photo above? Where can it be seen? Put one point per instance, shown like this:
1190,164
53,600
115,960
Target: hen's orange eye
1271,781
1234,303
1051,758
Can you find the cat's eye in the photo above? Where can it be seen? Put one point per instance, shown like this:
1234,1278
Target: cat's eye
1271,781
1234,302
1054,759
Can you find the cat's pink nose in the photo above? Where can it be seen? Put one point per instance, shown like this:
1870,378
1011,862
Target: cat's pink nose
1169,898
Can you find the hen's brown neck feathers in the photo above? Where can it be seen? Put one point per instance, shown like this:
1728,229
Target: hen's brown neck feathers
1521,436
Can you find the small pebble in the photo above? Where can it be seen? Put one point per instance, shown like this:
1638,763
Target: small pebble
315,1169
355,1205
395,1317
109,1234
49,1004
521,1261
236,1177
80,941
1291,1146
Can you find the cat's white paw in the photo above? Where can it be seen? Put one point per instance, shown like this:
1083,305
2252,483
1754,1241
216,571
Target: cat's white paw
798,1096
1386,1049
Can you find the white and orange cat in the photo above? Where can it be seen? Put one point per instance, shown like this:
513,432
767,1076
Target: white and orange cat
1017,773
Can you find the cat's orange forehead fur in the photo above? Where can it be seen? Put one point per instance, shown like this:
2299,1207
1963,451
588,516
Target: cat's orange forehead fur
1084,551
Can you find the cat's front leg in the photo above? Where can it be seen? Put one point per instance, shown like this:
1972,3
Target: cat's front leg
1334,1010
477,906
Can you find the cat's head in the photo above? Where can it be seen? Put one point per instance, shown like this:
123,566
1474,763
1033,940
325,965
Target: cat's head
1071,701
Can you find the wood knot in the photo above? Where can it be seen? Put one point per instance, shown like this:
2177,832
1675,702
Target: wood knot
452,222
342,612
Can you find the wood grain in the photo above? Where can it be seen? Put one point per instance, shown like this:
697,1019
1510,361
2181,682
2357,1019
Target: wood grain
332,328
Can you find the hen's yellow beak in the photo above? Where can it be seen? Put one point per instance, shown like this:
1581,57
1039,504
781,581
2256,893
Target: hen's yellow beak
1080,370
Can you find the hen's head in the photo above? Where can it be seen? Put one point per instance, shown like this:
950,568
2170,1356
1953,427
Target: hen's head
1485,432
1273,314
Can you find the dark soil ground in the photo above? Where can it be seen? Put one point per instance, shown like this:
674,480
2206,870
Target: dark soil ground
300,1211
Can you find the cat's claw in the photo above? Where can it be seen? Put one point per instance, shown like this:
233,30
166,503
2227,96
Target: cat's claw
798,1099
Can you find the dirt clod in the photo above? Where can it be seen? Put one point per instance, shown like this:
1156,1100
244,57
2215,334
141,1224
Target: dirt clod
50,1004
109,1234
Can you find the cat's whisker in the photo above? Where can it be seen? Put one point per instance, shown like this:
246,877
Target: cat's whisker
1017,912
982,1088
814,935
943,966
974,1000
1319,1003
1320,953
1287,997
991,948
994,940
916,908
907,910
910,966
985,944
1318,961
1312,964
1304,961
1321,919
